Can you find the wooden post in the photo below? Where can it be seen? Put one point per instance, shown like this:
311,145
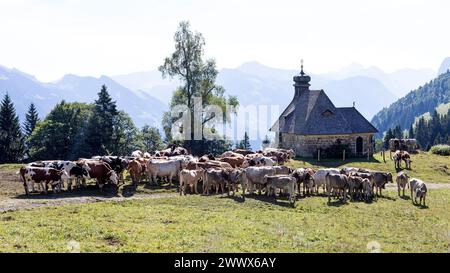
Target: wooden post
384,155
318,155
343,155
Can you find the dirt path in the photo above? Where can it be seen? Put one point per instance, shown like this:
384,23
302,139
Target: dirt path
430,186
13,204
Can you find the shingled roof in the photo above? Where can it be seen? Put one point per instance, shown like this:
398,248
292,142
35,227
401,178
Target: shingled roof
311,112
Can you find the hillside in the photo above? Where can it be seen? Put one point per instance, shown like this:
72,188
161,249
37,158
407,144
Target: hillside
418,102
445,66
442,109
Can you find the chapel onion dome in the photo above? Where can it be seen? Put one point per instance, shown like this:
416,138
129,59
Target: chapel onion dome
302,79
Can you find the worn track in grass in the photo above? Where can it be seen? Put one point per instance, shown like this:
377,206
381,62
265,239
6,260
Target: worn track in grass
13,204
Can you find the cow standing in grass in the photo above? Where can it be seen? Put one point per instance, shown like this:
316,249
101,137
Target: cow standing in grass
234,178
320,178
283,182
255,176
43,177
407,158
103,173
337,183
213,178
190,178
402,182
380,179
304,176
135,170
418,190
397,157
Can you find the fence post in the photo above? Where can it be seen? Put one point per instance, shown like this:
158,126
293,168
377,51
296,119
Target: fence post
384,155
318,155
343,155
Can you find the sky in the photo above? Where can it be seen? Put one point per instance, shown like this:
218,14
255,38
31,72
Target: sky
51,38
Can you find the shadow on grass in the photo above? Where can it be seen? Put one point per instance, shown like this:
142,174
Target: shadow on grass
129,190
420,206
405,197
235,198
109,191
333,163
386,197
270,199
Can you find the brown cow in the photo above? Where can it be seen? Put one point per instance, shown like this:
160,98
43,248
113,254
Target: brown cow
135,170
42,175
407,158
103,173
235,162
380,179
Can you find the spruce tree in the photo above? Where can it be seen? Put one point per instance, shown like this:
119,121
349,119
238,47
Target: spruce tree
11,137
411,132
245,143
389,135
31,119
100,134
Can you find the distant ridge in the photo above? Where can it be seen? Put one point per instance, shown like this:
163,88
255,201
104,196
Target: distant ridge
420,101
24,89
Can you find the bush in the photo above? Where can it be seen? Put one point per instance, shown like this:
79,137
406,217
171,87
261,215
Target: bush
441,150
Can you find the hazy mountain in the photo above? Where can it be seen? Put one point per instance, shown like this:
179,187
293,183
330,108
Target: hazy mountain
369,94
257,84
399,82
445,66
150,82
24,89
418,102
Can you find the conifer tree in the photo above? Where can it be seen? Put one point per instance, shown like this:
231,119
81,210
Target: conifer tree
31,119
100,135
11,137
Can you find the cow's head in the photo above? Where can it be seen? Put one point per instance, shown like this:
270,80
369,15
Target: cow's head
85,169
113,177
245,164
389,177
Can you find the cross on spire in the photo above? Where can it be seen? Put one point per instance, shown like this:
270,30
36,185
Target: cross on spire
302,73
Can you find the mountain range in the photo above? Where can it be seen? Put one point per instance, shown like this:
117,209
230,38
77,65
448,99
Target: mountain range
425,99
145,95
257,84
24,89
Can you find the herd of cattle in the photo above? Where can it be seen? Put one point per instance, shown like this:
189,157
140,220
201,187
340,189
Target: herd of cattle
261,171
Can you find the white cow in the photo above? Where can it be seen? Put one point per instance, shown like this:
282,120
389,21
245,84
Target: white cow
286,183
418,189
319,178
164,168
190,178
137,153
255,176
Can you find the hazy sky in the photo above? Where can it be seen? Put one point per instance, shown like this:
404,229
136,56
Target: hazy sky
49,38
